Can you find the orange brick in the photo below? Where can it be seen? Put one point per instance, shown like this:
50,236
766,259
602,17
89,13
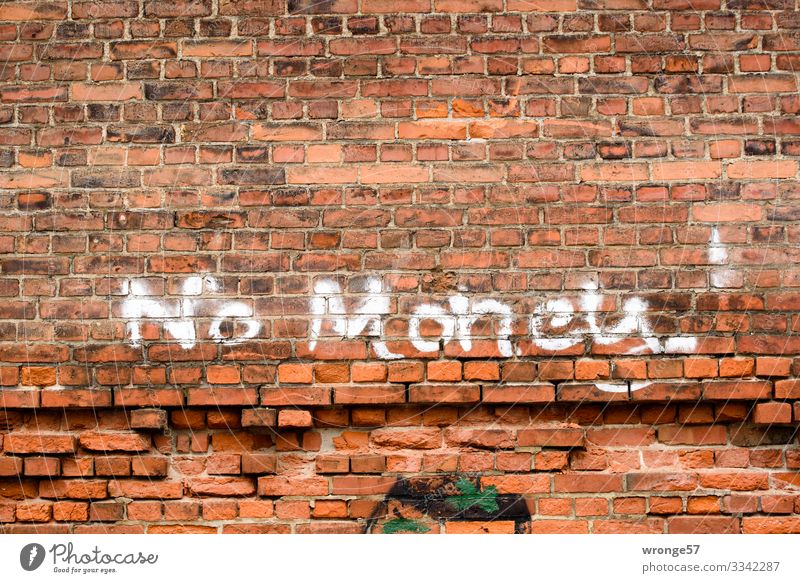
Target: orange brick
448,370
772,413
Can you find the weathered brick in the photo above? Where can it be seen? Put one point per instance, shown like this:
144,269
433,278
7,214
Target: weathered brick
106,441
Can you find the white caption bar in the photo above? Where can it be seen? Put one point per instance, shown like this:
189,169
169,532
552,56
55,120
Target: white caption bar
403,558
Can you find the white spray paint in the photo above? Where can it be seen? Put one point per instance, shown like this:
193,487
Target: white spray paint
717,251
328,301
455,315
612,387
457,321
177,315
560,313
437,314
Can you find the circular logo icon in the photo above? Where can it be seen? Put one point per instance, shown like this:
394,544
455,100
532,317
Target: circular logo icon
31,556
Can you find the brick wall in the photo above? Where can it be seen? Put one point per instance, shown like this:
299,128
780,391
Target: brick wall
372,265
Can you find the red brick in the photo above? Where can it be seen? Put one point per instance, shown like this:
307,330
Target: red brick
281,486
144,489
456,393
293,418
259,417
369,394
71,511
103,441
703,525
551,437
80,489
221,486
773,413
588,483
148,419
519,394
38,443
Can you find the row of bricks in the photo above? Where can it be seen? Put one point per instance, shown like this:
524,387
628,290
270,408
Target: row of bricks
370,485
693,428
632,268
675,525
552,132
615,413
222,417
615,220
380,57
326,509
80,10
282,330
200,420
496,151
436,36
644,112
683,53
140,216
444,394
396,242
540,138
488,56
616,216
221,464
402,292
213,37
288,287
523,99
442,86
217,38
686,49
169,350
357,259
353,349
33,289
453,250
162,9
614,172
438,371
